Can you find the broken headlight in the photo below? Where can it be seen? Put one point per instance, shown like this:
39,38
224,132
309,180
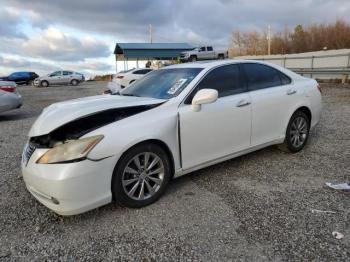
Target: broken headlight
69,151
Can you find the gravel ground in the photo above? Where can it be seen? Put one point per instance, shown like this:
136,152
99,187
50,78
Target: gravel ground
256,207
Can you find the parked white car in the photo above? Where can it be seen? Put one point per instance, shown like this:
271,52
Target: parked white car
84,153
9,97
126,78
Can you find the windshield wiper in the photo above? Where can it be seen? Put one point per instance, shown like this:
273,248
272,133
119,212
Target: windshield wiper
129,95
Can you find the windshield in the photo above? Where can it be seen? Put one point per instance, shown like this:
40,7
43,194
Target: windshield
162,84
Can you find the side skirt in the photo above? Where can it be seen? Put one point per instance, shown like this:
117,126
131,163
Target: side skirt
181,172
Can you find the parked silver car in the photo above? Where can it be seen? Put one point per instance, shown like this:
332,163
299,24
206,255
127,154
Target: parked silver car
9,97
60,78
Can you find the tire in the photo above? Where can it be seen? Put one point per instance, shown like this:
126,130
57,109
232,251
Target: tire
221,56
44,83
74,82
297,133
132,81
193,58
129,177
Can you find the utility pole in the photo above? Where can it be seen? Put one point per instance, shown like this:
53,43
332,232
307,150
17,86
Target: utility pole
150,33
269,40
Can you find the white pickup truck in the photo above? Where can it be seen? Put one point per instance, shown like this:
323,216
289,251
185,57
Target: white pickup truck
203,53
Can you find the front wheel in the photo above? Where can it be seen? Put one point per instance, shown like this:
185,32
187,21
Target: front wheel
193,58
44,83
297,132
141,176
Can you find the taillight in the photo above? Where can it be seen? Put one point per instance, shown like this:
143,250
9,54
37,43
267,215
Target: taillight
120,77
8,88
319,88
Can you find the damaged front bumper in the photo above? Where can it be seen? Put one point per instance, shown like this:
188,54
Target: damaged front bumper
72,188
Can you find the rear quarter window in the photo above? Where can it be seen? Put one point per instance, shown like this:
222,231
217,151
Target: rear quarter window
285,79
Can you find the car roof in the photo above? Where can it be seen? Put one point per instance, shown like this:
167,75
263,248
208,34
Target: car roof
212,63
208,64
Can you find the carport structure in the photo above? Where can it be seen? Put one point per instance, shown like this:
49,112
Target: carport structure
148,51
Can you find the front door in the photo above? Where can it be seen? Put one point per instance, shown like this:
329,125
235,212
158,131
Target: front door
220,128
55,78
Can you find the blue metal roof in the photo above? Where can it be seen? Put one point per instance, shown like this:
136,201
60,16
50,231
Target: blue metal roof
151,50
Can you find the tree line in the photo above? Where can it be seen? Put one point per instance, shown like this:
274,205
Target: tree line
314,37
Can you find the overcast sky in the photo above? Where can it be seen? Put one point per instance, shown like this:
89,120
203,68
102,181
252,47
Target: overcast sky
43,35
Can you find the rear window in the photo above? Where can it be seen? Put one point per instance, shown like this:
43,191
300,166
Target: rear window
285,79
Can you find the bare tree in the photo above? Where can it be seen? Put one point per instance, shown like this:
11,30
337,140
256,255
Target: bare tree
313,37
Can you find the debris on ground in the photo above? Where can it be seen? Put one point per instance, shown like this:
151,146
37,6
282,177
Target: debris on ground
337,235
342,186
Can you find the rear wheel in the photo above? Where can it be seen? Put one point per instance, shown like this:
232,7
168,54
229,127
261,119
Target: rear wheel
141,176
221,56
297,133
44,83
74,82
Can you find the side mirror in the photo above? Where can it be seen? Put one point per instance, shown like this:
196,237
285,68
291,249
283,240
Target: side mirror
204,96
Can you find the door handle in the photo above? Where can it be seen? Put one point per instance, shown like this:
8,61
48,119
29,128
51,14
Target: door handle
291,92
243,103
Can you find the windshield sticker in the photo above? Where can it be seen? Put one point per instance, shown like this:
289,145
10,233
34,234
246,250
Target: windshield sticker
176,86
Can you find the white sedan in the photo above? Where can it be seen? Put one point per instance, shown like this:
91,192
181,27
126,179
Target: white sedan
87,152
127,77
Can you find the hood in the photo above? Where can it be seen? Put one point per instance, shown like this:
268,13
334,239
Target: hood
41,77
62,113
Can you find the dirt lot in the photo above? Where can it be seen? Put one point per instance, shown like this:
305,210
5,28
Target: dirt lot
256,207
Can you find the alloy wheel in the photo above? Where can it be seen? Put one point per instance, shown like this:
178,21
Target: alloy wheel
143,176
298,131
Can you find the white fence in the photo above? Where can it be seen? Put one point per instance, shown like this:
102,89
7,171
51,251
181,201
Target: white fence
332,64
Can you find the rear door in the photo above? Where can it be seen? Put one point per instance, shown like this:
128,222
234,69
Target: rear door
220,128
210,52
22,77
272,94
67,77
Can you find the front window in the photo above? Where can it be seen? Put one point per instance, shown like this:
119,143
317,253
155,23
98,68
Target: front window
162,84
57,73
